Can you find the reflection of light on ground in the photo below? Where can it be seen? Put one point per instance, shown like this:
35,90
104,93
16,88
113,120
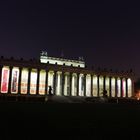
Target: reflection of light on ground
46,99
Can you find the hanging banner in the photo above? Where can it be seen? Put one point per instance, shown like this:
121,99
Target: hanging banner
5,80
14,82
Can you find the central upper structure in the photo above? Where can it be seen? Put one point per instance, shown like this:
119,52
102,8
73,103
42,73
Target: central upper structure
61,61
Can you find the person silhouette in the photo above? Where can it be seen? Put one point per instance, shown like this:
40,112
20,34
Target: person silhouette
104,97
105,93
50,90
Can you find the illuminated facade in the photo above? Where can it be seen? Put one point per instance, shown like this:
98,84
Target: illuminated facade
66,77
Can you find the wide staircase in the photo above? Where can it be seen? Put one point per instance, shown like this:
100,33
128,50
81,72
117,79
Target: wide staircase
65,99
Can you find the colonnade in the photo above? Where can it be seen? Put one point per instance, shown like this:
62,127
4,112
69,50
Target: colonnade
16,80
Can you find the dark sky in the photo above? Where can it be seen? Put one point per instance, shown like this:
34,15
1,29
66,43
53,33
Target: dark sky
106,34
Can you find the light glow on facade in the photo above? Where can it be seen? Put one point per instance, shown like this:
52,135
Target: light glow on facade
42,82
123,87
113,87
58,83
101,85
81,85
24,80
118,87
65,84
33,81
95,86
74,84
88,85
51,79
107,85
61,61
65,81
129,82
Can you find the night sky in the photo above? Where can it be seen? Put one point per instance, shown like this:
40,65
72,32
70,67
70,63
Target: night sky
105,34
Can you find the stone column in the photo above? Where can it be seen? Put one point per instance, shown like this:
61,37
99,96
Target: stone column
72,85
84,84
81,85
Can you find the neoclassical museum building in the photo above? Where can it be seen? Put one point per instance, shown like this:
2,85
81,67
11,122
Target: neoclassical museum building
66,77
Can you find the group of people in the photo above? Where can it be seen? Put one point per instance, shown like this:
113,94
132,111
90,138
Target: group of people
105,93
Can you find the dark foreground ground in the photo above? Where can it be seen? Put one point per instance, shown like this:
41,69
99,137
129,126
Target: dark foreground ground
43,120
